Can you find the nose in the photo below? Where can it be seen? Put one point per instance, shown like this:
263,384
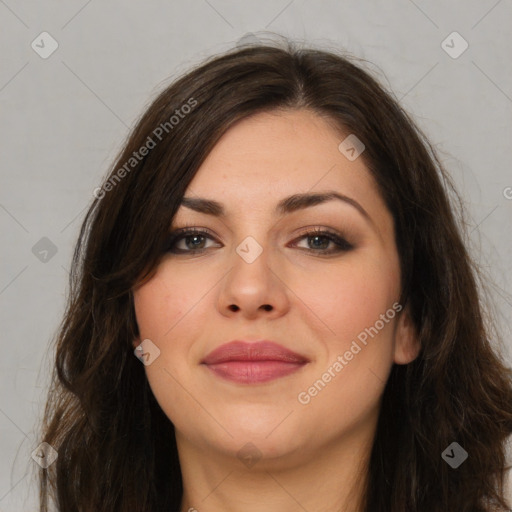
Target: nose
253,287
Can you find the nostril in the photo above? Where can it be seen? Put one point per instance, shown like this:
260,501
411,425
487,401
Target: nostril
266,307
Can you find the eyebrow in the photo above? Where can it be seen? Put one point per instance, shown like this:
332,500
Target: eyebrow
287,205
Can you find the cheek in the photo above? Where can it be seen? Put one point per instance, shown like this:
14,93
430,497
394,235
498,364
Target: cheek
351,297
163,303
162,317
351,302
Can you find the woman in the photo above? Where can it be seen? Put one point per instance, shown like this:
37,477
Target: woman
276,246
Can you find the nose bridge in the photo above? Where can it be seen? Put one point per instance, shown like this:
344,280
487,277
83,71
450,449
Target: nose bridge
252,236
250,260
251,283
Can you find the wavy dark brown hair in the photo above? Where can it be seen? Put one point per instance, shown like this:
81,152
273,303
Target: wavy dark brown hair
116,447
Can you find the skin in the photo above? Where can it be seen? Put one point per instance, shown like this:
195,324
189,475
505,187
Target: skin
307,456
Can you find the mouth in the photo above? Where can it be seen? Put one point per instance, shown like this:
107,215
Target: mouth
251,363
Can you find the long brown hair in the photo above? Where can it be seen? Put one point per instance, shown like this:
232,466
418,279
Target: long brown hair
116,448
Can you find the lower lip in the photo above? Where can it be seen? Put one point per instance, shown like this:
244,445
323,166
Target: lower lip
251,372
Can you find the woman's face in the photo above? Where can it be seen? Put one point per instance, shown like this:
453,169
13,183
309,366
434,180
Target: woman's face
261,273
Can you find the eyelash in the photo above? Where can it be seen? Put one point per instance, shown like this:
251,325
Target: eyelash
341,244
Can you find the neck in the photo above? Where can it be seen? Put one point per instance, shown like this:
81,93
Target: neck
326,479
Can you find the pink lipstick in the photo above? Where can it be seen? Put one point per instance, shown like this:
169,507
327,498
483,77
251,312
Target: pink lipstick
254,362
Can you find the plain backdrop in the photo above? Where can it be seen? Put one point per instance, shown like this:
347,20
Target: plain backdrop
65,115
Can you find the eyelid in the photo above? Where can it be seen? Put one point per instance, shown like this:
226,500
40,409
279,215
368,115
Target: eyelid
192,227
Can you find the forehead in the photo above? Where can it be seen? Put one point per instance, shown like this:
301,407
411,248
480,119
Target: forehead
271,155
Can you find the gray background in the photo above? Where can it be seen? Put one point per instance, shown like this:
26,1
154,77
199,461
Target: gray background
65,117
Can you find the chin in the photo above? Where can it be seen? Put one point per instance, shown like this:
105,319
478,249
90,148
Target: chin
271,437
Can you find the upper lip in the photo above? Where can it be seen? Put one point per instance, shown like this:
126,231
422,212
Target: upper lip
263,350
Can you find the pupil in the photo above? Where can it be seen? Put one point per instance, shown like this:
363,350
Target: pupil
194,237
322,245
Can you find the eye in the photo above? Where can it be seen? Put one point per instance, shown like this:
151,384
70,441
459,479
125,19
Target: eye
194,240
318,240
